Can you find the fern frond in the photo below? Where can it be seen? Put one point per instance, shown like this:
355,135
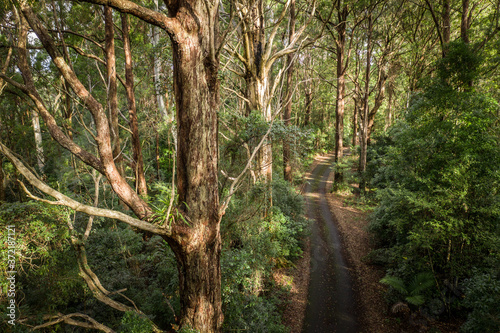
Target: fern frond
396,283
415,300
421,282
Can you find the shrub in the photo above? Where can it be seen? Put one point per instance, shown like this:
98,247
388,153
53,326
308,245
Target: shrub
482,297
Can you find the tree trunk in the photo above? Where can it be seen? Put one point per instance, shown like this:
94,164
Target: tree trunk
308,106
40,158
464,24
365,113
112,88
140,180
382,78
257,95
194,233
197,246
287,168
388,117
355,124
157,73
339,109
446,25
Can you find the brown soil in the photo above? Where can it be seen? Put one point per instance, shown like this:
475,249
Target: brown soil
352,224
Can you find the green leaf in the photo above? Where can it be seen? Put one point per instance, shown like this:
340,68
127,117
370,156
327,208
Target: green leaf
395,283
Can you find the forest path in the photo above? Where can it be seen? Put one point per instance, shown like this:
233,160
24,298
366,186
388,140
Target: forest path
331,303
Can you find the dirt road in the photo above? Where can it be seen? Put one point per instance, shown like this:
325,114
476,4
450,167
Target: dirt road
331,302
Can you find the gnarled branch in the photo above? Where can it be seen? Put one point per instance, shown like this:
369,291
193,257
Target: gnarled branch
63,200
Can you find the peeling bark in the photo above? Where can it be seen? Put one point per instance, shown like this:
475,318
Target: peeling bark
157,73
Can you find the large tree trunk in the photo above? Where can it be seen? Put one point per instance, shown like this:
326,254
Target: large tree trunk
287,168
257,80
140,179
197,246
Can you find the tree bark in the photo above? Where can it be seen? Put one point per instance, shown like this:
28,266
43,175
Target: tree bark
355,124
340,103
308,89
379,98
140,179
446,17
40,158
112,88
308,106
197,246
157,73
287,168
464,24
365,113
388,117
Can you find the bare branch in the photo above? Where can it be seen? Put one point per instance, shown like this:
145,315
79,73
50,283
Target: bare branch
90,323
170,24
63,200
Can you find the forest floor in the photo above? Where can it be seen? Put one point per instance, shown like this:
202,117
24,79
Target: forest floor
373,311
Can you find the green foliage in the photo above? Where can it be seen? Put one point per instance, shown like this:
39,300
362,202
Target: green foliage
413,293
482,297
133,323
147,269
39,229
162,204
460,67
437,179
254,245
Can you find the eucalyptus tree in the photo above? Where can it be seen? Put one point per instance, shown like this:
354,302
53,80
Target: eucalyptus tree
287,114
193,231
340,30
256,51
383,41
